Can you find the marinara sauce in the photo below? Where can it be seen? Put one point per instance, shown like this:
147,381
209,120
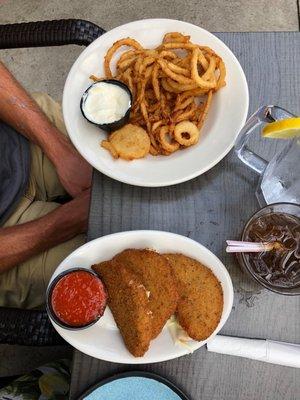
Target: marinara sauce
78,298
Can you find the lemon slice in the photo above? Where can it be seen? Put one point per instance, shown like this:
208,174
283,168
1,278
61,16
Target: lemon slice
284,129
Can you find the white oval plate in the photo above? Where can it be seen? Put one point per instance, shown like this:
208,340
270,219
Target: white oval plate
103,340
226,117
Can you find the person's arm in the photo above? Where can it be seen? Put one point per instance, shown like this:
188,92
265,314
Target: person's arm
21,242
21,112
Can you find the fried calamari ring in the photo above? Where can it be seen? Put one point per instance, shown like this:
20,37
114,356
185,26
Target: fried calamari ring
186,133
123,42
166,141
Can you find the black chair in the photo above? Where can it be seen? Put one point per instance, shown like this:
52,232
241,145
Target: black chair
49,33
33,327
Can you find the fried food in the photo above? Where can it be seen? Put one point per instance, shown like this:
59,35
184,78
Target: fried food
200,303
167,143
129,142
129,304
108,146
123,42
170,84
186,133
155,273
146,288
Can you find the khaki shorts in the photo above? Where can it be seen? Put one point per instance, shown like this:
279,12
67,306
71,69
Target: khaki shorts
24,286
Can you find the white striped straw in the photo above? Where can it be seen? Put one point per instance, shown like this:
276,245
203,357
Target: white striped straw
235,246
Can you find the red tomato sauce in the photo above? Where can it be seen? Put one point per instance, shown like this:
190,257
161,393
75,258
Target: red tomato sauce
78,298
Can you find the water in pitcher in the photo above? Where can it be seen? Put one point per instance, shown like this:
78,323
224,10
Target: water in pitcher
281,179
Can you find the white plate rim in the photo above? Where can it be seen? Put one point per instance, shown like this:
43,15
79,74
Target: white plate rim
168,182
178,352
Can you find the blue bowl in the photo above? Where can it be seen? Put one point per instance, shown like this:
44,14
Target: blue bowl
136,385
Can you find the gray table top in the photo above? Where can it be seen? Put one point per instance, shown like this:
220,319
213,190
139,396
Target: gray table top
211,209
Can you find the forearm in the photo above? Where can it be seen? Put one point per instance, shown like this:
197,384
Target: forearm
20,111
21,242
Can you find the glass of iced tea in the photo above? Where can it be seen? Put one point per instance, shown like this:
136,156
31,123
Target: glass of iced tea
277,269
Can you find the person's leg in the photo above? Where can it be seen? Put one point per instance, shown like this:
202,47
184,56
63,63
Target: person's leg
25,285
43,182
46,181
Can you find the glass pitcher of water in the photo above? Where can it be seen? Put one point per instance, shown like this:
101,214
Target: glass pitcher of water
279,178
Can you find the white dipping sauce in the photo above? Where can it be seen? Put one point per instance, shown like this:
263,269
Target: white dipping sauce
105,103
